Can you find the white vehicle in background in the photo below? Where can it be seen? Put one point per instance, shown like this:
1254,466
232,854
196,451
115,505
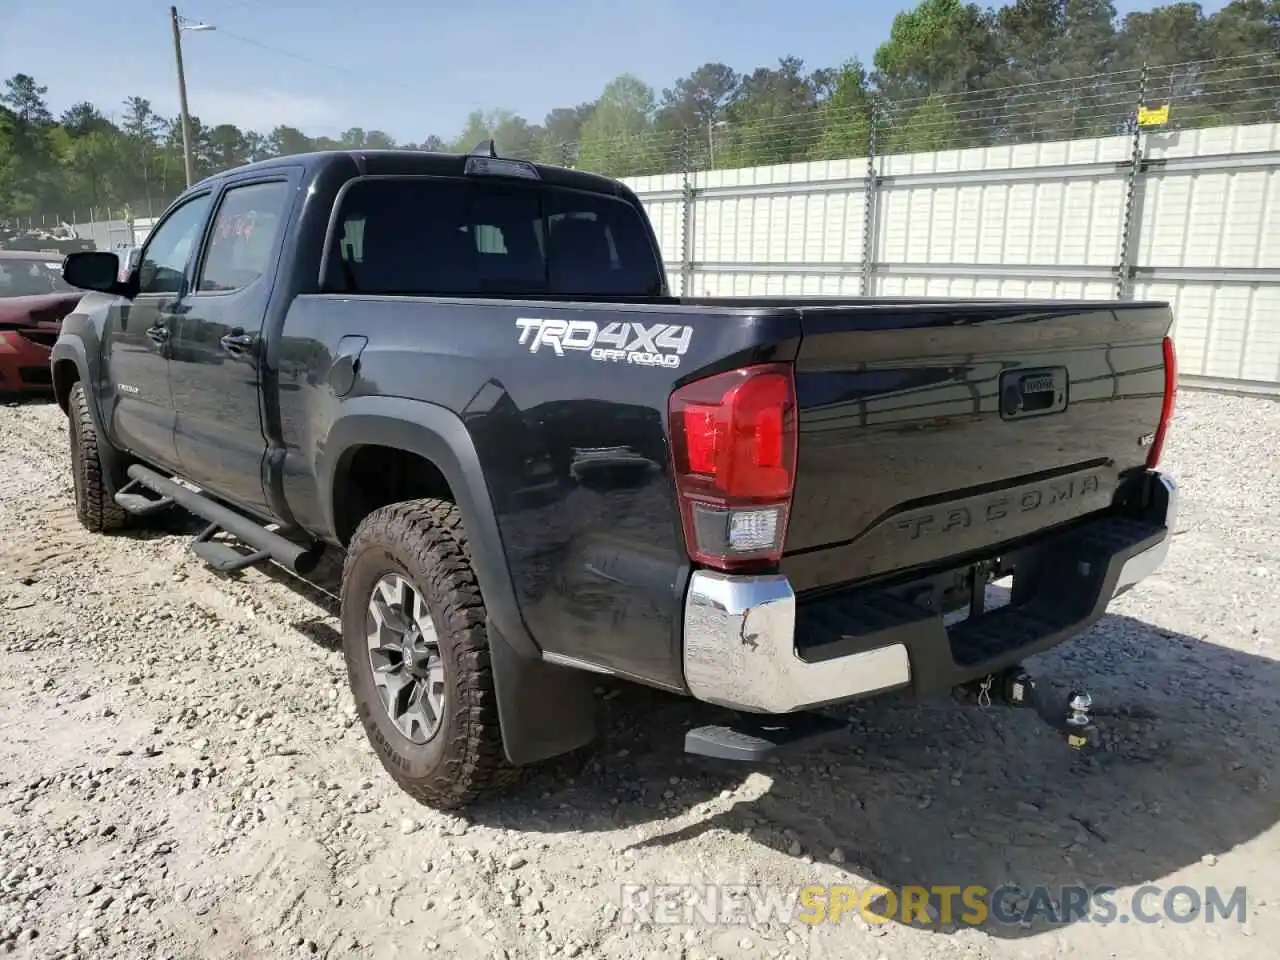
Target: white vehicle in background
128,260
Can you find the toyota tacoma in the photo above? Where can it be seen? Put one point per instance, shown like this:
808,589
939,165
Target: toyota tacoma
465,376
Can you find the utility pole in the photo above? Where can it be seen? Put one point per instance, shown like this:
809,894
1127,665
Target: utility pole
712,126
182,92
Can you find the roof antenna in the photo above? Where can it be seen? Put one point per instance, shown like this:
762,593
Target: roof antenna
485,148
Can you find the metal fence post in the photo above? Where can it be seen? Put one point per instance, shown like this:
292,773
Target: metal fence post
1124,269
870,193
687,202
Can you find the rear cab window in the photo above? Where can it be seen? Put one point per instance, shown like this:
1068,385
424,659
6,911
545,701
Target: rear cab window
453,237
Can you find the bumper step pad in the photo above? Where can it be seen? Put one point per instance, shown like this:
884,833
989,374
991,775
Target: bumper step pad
755,740
1080,568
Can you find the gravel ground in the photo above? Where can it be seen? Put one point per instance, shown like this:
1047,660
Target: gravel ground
181,774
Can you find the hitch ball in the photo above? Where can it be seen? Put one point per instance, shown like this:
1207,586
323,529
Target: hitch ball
1078,719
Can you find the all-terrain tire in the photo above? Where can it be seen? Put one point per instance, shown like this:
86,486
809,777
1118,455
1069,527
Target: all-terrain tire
96,508
424,541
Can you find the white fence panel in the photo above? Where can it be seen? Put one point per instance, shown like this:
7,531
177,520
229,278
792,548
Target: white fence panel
1209,239
1041,220
663,202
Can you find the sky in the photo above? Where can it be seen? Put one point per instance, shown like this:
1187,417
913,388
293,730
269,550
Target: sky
412,69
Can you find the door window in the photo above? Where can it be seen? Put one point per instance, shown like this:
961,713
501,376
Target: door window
243,241
163,267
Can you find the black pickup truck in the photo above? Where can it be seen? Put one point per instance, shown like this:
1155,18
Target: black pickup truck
466,376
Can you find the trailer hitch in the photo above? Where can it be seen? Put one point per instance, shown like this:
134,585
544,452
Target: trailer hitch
1014,687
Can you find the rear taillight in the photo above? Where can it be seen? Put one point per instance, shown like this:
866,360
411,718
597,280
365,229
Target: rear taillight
1166,408
733,442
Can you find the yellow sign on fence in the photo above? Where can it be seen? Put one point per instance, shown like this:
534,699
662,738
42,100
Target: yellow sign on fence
1153,116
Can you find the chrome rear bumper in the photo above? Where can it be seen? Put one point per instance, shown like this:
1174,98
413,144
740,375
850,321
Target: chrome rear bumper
741,632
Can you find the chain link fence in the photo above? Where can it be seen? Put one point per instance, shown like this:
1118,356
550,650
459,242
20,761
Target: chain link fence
850,125
1168,98
92,228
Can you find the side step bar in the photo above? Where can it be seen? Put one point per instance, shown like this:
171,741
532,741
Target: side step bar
139,504
221,556
265,544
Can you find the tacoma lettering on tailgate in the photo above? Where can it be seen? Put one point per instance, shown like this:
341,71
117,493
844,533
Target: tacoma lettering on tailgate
974,512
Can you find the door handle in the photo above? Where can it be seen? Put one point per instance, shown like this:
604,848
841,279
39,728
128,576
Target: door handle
237,343
158,334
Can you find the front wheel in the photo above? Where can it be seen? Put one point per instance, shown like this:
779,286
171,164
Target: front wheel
417,654
96,508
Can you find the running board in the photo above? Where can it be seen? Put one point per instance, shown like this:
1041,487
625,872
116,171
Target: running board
139,504
265,544
222,556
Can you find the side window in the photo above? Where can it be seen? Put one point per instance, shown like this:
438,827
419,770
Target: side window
244,235
168,251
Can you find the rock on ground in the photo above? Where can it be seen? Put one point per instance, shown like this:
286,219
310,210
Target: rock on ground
181,774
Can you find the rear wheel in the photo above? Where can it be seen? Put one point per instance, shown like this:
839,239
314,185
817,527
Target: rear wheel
96,508
413,633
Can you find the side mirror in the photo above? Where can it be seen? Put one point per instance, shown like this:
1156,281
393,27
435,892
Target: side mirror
93,270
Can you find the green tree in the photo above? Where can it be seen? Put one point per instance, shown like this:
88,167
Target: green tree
288,141
84,118
698,101
227,147
940,47
561,131
1174,34
25,99
473,132
618,138
950,74
772,118
27,123
945,53
845,114
929,125
1054,81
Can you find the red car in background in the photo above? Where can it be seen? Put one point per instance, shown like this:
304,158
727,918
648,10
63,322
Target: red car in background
33,300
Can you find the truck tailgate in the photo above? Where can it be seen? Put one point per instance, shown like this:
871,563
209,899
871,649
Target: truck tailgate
931,432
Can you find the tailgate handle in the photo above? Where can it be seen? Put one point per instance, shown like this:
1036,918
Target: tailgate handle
1033,393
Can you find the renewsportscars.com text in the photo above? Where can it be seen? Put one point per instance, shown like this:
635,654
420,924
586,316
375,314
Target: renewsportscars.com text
973,905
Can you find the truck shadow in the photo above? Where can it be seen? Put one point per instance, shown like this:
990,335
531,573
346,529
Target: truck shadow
937,794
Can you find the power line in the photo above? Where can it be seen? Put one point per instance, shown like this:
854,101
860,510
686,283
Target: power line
226,8
280,51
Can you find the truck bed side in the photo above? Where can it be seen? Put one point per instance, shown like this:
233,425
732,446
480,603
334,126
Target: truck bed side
573,449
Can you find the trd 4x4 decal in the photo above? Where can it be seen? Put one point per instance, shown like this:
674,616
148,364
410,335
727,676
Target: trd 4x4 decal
650,345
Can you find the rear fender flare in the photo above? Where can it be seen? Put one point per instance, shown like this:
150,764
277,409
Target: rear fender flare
526,686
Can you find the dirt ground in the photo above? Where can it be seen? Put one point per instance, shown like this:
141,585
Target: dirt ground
181,774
